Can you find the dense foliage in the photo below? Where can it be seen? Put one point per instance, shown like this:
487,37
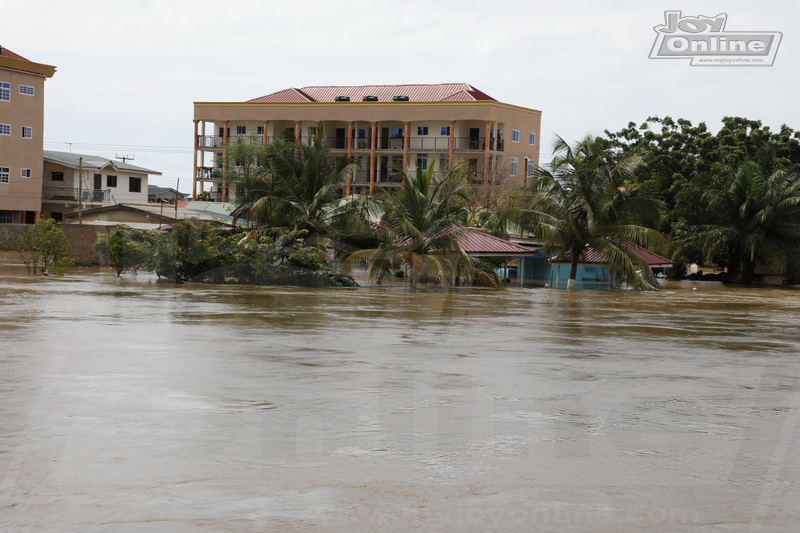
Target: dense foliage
203,253
730,196
43,247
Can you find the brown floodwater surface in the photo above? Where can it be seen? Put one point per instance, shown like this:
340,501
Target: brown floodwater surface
132,405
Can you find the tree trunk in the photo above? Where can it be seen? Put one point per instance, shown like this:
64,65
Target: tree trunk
573,270
748,271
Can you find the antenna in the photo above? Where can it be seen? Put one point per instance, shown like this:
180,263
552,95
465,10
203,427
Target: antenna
124,157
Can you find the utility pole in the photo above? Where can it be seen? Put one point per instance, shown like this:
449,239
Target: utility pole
80,190
124,158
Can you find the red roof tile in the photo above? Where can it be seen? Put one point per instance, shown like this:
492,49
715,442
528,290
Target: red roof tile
437,92
478,243
8,53
592,256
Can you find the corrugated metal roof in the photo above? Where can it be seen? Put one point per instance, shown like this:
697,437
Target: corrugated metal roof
592,256
93,162
478,243
436,92
8,53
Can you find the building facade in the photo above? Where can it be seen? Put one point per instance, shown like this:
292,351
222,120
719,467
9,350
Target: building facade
77,182
21,137
384,128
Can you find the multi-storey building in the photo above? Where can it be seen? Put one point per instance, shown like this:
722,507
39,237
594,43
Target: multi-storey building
382,127
21,137
76,182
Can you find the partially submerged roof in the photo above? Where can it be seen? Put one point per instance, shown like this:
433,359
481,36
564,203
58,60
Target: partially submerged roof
590,256
155,190
434,92
482,244
151,211
94,162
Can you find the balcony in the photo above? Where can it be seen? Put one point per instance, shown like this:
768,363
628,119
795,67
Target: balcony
65,194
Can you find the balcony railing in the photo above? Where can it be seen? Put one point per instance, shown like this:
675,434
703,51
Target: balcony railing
71,195
415,143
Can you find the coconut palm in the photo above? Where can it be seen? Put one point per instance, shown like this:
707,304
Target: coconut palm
756,219
418,228
298,188
581,202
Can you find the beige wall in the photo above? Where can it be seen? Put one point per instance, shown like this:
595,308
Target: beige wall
503,118
16,152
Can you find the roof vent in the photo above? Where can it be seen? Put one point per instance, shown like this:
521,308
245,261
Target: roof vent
370,99
400,98
342,99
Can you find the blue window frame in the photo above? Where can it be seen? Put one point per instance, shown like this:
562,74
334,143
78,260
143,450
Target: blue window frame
513,167
5,129
5,91
514,136
446,130
422,130
26,89
531,138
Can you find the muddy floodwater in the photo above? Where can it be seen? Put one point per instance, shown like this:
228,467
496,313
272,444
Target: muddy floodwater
130,405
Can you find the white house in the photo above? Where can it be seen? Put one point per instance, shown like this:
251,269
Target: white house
78,181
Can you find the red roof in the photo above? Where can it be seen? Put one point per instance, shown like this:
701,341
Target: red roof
592,256
478,243
436,92
8,53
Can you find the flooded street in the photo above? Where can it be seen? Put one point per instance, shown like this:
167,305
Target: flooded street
130,405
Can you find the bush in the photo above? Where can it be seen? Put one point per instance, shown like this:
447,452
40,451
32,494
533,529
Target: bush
43,247
128,249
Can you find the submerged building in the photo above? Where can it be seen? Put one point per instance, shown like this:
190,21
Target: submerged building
21,137
384,128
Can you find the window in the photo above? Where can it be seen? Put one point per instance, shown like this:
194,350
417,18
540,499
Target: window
25,173
446,130
531,139
111,181
531,168
513,167
422,161
397,133
514,136
27,132
5,91
444,162
57,216
4,174
5,129
6,217
312,132
57,176
259,130
26,89
134,184
422,130
241,130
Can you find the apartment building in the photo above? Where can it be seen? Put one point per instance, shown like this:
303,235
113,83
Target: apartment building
382,127
21,137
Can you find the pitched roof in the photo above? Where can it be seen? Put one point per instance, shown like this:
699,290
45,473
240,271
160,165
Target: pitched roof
92,162
8,53
592,256
435,92
478,243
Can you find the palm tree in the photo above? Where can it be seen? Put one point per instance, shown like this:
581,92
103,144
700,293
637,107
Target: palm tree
756,218
581,202
418,228
298,188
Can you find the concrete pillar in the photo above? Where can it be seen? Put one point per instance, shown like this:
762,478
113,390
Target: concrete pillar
194,166
224,160
373,143
487,144
349,181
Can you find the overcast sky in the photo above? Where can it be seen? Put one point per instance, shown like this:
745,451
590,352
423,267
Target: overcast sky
128,73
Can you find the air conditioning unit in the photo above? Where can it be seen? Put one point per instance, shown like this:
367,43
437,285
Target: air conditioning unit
400,98
370,99
342,99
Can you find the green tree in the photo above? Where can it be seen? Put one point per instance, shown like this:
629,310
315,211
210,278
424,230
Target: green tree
43,247
418,228
299,187
581,202
754,218
127,249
